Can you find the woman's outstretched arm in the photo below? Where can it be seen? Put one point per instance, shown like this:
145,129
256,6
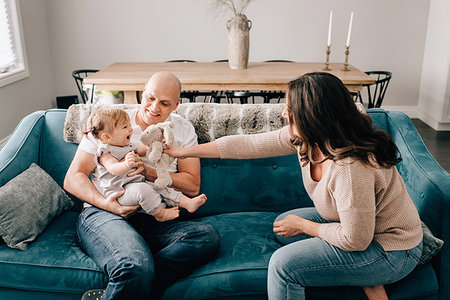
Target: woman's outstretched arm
208,150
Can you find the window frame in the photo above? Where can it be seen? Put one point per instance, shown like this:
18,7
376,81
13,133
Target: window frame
20,71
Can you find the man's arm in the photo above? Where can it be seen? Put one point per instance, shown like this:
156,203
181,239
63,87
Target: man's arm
186,180
78,184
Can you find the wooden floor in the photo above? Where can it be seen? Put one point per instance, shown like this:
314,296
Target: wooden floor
437,142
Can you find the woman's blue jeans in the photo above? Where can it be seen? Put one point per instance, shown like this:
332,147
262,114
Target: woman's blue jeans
308,261
142,256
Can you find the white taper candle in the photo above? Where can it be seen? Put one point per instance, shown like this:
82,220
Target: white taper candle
329,29
349,30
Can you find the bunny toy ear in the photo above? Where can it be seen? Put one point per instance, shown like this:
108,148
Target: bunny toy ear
168,135
166,128
165,125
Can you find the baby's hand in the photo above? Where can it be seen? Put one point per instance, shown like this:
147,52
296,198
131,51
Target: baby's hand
132,159
138,170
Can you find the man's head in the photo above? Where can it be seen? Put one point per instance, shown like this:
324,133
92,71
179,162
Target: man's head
160,97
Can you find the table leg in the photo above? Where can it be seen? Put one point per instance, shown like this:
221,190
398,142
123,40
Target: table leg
129,97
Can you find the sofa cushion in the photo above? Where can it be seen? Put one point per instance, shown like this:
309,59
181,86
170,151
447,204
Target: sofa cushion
54,262
28,202
240,268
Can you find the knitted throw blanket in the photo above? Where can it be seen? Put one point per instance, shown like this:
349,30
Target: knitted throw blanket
210,120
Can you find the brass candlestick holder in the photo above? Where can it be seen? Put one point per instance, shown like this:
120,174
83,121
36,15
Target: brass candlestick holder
347,52
327,63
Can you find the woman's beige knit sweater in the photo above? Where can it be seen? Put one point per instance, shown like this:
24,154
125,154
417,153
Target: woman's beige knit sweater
363,203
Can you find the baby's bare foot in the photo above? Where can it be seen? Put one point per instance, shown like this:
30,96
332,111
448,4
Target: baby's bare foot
192,204
166,214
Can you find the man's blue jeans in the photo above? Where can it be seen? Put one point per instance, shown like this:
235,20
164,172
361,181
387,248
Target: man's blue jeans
142,256
306,261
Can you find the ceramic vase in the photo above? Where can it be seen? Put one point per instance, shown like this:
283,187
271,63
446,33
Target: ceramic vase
238,41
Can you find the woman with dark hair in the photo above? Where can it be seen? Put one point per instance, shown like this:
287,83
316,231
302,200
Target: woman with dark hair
364,229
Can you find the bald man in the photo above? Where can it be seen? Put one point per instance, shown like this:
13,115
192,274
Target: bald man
129,247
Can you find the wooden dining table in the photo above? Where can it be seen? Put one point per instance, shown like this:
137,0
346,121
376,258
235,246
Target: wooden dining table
131,77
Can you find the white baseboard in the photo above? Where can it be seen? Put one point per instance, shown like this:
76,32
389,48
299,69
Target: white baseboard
413,112
438,126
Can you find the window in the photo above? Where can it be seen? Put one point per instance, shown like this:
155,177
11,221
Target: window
13,65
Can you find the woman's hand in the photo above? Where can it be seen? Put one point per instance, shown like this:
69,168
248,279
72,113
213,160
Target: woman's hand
175,151
293,225
288,227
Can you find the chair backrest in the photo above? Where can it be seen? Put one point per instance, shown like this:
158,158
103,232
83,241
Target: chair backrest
279,60
268,95
181,60
79,76
376,91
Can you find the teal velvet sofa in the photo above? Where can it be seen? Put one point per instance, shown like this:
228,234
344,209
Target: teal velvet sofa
244,198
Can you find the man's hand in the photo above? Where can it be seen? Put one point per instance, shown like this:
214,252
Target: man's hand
113,206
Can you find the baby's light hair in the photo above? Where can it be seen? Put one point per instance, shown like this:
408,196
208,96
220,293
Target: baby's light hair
105,120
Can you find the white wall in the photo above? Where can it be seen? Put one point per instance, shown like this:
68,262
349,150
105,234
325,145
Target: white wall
387,35
434,97
36,92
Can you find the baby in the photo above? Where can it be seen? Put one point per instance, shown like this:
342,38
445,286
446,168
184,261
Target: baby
117,157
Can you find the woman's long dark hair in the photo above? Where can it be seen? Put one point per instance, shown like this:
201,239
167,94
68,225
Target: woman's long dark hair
323,112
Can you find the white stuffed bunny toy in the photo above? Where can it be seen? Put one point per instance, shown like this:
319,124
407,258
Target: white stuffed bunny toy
153,137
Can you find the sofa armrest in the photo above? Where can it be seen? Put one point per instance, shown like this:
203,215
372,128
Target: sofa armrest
429,186
22,147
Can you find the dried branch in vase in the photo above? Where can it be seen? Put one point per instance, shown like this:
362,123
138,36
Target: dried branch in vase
237,7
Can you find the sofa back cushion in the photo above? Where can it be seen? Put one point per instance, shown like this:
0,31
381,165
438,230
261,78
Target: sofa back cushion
266,184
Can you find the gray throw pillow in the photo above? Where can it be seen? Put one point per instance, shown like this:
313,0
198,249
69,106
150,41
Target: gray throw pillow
431,245
28,203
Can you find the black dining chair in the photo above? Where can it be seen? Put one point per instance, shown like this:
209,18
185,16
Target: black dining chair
269,95
242,96
375,92
191,96
217,96
79,76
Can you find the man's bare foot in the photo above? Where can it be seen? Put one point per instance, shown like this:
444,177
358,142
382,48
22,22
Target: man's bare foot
192,204
165,214
375,292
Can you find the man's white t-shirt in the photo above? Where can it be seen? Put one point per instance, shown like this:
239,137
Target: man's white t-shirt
183,133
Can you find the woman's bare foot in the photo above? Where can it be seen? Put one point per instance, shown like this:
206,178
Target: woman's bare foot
375,292
165,214
192,204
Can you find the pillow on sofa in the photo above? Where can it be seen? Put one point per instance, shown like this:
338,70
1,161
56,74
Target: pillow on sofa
28,203
431,245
